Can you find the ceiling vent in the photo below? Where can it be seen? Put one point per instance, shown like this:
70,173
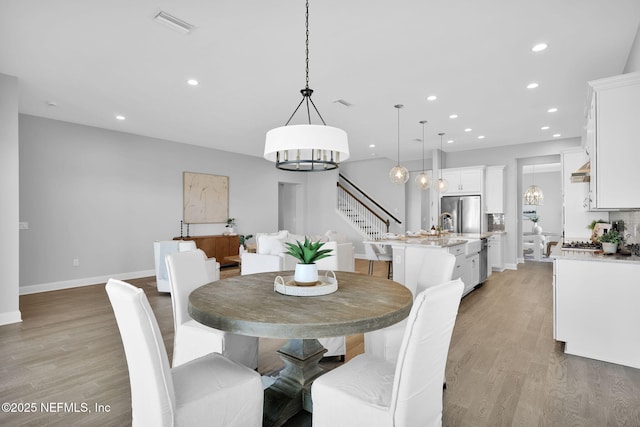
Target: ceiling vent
173,22
343,102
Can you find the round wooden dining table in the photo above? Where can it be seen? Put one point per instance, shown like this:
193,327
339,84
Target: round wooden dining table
249,305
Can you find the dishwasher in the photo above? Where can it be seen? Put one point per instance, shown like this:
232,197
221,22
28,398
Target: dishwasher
484,247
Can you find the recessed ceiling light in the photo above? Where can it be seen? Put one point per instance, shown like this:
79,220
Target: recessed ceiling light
481,137
450,141
468,130
193,82
544,127
120,117
453,116
555,135
532,85
539,47
552,110
431,98
51,104
372,145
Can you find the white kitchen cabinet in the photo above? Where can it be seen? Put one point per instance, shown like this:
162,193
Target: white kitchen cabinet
613,148
459,267
471,273
495,254
464,180
596,309
494,194
576,214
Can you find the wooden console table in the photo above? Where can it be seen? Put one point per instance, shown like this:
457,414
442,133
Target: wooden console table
218,246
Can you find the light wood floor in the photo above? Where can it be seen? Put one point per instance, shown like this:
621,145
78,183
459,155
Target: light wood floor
504,367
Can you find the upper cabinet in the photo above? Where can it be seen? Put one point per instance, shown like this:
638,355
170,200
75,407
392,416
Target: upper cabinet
612,140
494,194
464,180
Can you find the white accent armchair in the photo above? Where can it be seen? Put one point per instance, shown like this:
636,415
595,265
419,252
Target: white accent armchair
211,390
162,248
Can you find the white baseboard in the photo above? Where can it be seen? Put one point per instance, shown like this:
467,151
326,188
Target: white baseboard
76,283
10,317
511,266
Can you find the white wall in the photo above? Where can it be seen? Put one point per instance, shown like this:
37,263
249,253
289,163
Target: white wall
103,197
10,196
633,61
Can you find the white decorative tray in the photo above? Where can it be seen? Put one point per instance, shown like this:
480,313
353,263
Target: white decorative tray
325,285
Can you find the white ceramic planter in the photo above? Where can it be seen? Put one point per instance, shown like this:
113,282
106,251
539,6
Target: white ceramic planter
306,274
609,248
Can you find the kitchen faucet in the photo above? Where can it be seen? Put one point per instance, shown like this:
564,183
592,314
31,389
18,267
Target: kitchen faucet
449,223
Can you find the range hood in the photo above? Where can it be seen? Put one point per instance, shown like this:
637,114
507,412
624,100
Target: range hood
583,174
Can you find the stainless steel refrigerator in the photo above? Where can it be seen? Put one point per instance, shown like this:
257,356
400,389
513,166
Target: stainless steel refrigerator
466,214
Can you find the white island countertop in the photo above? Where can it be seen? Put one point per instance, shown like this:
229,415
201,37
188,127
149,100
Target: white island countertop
559,253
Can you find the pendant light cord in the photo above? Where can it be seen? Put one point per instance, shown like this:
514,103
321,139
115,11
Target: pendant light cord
306,16
306,92
398,107
440,166
423,122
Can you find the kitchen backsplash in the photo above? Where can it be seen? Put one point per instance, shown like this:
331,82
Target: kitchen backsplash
495,222
631,224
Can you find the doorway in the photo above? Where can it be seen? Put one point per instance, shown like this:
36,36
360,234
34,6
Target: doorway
290,204
540,224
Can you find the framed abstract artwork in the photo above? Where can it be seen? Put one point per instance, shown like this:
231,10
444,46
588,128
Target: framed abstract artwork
205,198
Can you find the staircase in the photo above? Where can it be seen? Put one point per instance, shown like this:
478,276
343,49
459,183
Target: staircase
361,211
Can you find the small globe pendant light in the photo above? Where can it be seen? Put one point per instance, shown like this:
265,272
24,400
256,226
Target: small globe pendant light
399,174
422,180
442,185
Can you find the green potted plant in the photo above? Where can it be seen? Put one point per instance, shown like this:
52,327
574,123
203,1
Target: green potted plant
592,227
231,222
244,238
536,227
307,254
610,241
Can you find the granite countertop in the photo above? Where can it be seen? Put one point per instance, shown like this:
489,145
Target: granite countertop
445,240
598,256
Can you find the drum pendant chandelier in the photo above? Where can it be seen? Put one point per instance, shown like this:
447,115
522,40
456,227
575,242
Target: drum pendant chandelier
534,195
399,174
306,147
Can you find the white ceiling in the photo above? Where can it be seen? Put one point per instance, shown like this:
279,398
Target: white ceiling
96,59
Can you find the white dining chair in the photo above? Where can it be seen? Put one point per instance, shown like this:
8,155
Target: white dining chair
208,391
423,268
187,271
374,253
369,391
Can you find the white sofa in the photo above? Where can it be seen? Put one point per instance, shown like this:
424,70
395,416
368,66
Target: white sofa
271,253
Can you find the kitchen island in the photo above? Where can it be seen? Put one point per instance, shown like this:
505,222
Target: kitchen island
408,252
595,305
